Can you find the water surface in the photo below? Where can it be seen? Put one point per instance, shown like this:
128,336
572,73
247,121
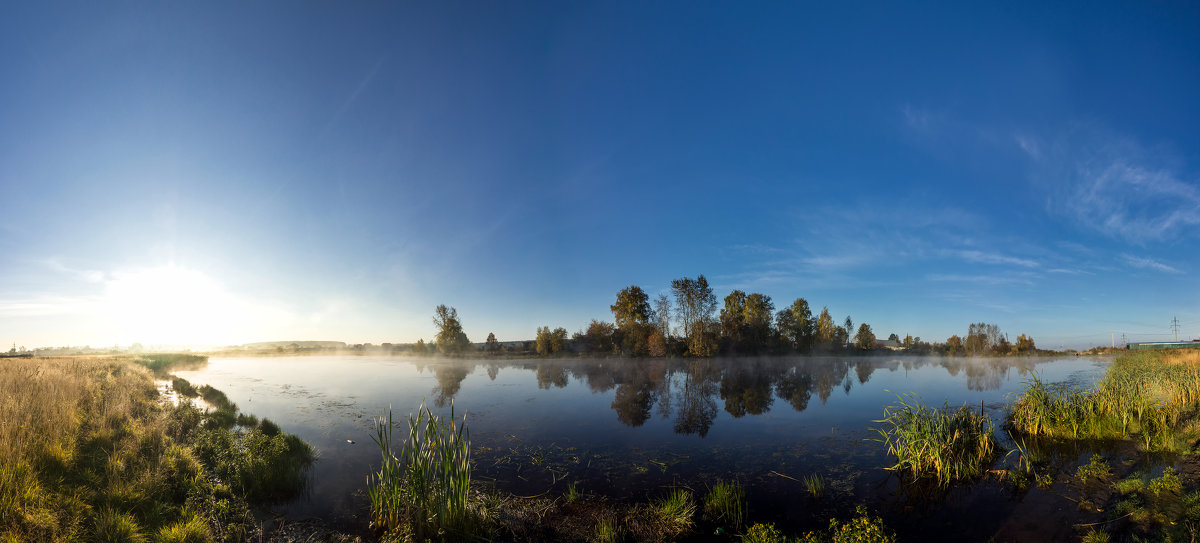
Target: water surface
628,429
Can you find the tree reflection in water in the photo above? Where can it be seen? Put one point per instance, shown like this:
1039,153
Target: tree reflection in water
686,390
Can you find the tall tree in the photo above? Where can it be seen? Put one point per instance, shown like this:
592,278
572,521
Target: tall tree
733,319
632,308
662,315
865,338
826,333
450,337
848,326
795,324
759,309
695,304
491,345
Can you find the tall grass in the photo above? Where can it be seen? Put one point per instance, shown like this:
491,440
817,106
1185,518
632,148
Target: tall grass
425,489
725,504
947,444
89,453
1149,395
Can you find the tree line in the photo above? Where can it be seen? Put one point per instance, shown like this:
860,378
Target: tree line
691,322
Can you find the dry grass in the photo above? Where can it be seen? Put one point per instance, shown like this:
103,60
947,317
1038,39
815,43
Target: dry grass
88,452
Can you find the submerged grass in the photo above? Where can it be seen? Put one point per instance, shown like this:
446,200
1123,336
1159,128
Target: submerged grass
675,511
424,491
815,485
947,444
1152,395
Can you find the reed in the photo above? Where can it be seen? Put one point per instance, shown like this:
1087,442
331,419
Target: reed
1153,396
815,485
726,504
947,444
424,490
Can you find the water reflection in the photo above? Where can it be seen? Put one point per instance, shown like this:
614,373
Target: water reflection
687,391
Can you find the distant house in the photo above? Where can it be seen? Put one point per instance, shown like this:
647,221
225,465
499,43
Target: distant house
888,344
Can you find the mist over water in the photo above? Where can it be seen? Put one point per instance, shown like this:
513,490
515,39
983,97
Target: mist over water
625,429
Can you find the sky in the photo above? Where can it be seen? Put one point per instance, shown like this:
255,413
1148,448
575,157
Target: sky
219,173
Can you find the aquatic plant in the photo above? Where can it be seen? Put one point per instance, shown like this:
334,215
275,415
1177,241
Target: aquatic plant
725,504
572,495
863,528
764,533
815,485
1096,469
948,444
675,511
1153,396
425,489
608,530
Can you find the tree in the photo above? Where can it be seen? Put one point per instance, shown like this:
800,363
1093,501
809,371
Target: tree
599,337
1025,344
695,304
758,320
550,341
419,348
848,326
491,345
662,314
826,332
733,319
954,345
895,338
450,337
632,309
865,338
656,345
795,324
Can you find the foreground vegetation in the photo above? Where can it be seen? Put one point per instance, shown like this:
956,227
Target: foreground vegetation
946,444
90,452
1151,395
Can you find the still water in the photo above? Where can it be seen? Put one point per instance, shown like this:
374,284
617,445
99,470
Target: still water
629,429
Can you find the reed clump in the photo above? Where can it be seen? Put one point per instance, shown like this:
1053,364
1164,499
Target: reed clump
1153,395
945,443
424,491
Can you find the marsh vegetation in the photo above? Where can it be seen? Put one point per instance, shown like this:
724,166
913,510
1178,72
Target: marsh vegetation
88,451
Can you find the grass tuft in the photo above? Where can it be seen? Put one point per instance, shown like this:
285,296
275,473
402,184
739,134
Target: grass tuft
425,489
726,504
947,444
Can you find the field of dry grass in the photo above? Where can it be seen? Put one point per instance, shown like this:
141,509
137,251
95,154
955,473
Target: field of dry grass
88,452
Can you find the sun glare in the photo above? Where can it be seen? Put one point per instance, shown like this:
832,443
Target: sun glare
172,305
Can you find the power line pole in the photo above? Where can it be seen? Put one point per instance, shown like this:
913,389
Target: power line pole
1175,325
1124,341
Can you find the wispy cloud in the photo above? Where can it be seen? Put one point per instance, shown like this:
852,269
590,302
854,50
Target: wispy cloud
1117,186
992,280
1148,264
993,258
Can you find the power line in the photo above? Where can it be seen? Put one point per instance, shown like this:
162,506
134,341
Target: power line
1175,325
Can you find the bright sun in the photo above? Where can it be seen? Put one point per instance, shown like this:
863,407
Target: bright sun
172,305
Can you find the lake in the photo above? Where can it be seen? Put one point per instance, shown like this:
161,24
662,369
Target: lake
630,429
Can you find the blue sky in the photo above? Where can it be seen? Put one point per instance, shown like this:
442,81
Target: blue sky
223,173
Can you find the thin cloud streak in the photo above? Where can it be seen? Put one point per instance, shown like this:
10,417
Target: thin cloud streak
1148,264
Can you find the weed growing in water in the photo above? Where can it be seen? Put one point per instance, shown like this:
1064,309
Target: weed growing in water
425,489
815,484
863,528
726,504
573,495
1153,395
1097,469
949,444
675,511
